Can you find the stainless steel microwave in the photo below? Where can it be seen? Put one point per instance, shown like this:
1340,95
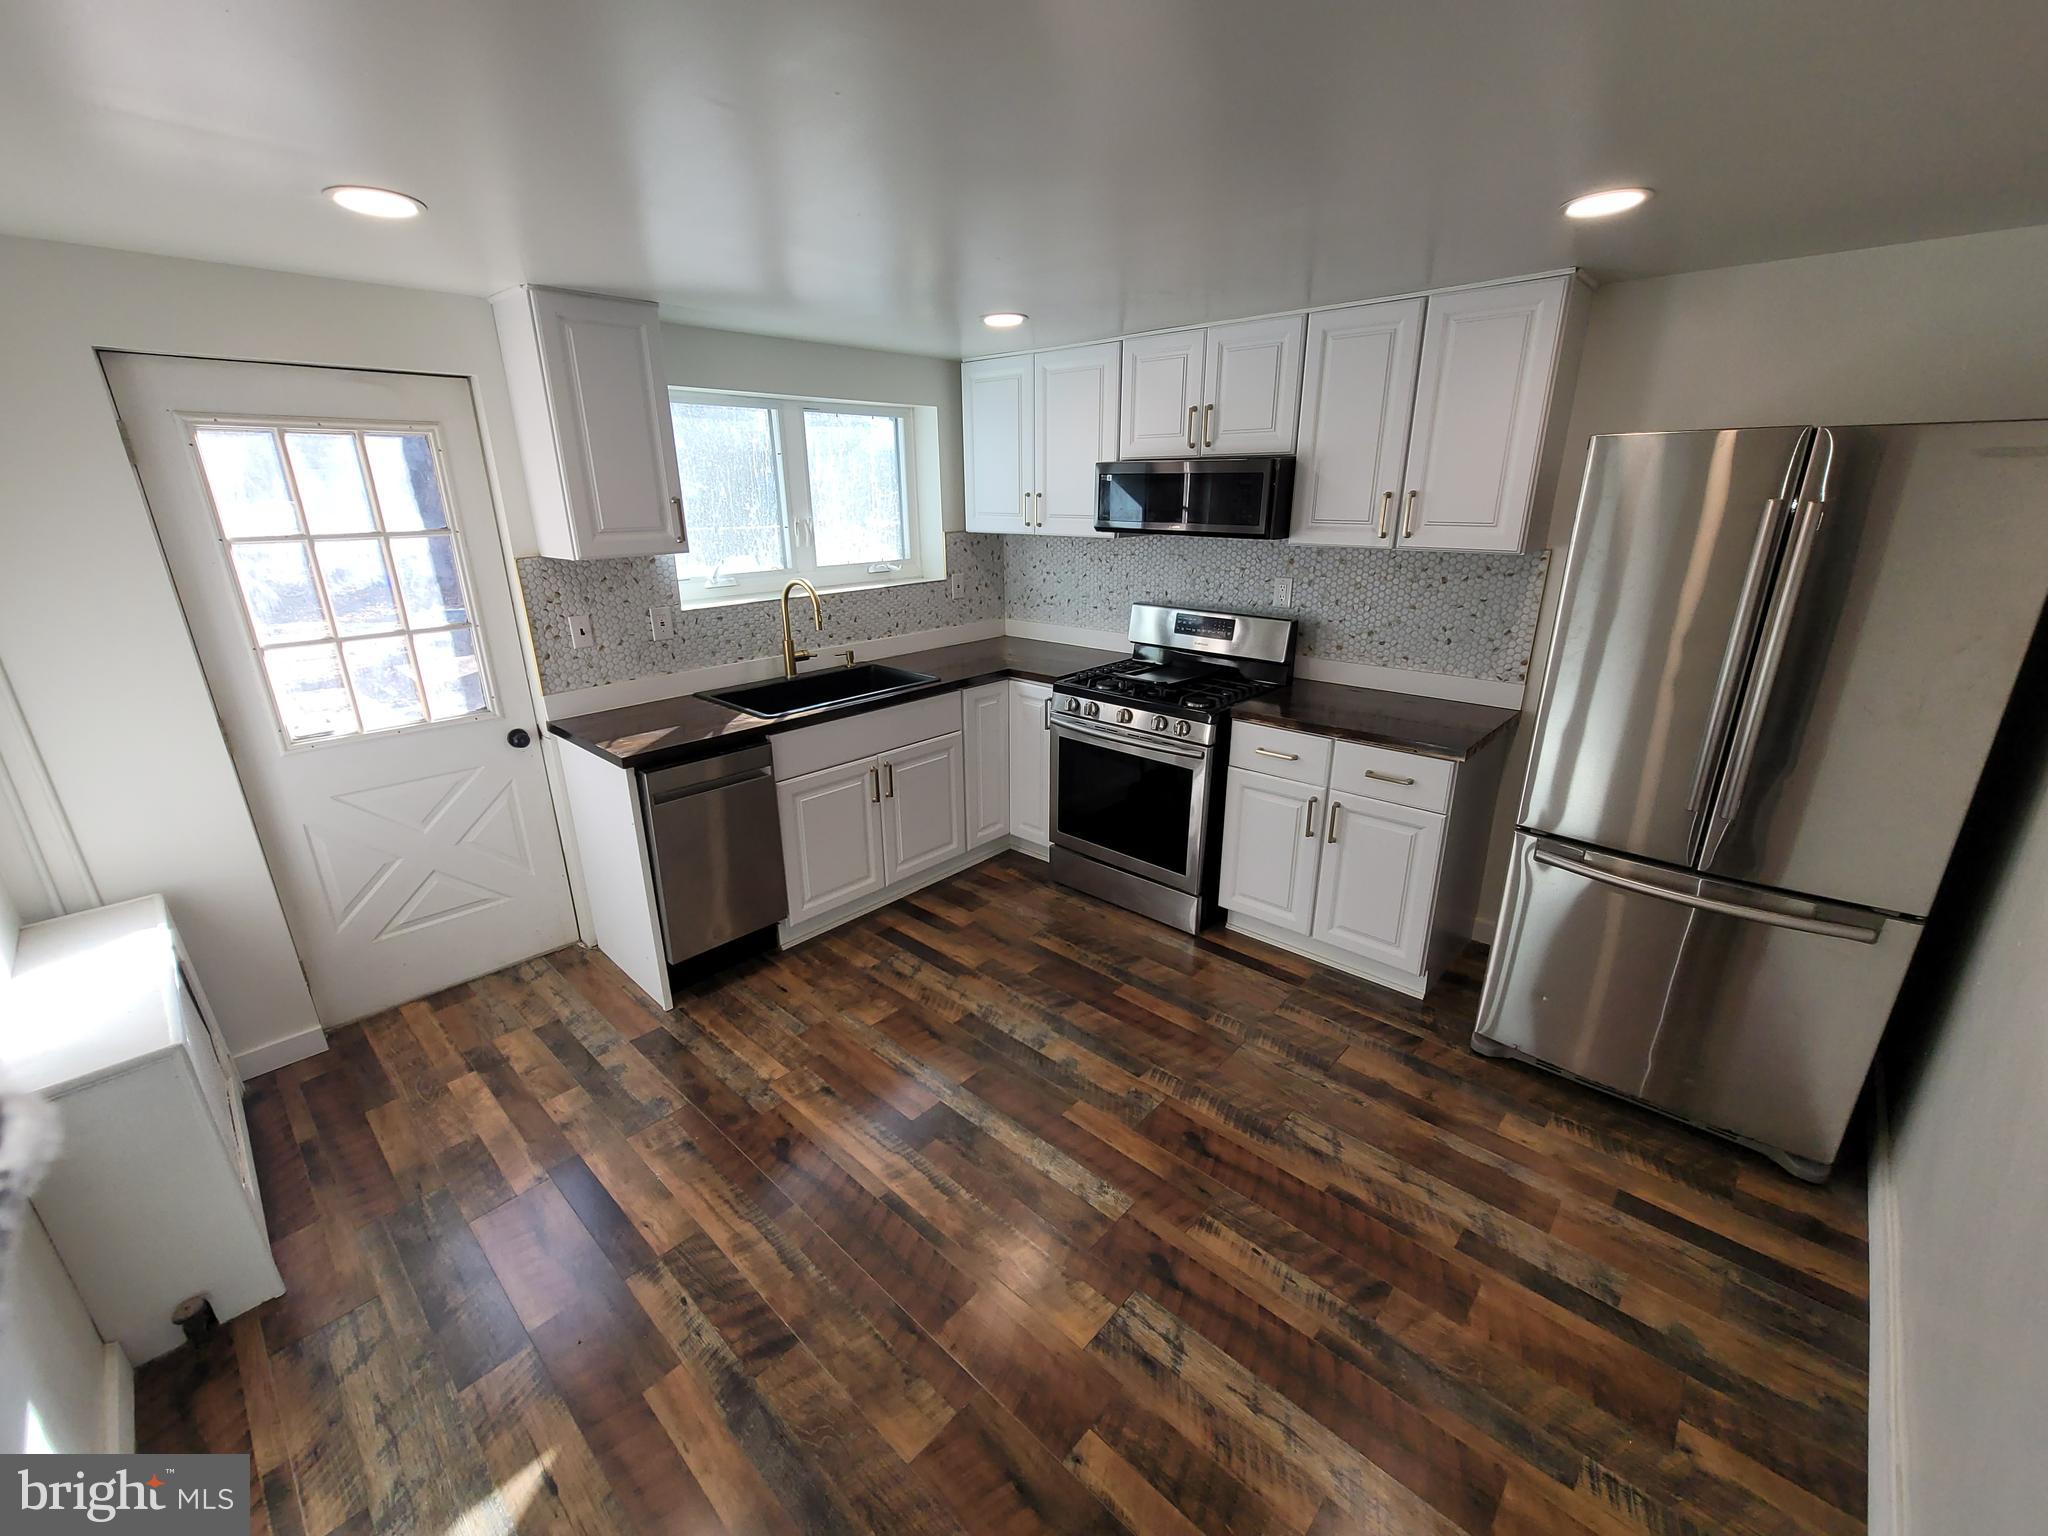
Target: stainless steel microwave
1244,497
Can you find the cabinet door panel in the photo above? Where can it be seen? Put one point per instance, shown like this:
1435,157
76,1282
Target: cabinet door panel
1482,395
600,360
1377,889
1162,383
831,838
1253,375
1270,848
1030,764
924,820
996,443
985,727
1357,394
1076,394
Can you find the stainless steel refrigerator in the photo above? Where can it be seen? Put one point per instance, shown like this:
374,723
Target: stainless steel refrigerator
1780,659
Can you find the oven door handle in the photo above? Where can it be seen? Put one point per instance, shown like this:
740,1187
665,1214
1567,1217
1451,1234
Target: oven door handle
1161,750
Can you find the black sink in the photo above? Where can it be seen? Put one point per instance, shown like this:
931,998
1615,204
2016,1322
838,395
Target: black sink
785,696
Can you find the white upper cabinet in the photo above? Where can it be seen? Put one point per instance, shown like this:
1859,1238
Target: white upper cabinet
1483,406
1228,389
1162,395
1075,393
591,408
1253,377
998,446
1357,392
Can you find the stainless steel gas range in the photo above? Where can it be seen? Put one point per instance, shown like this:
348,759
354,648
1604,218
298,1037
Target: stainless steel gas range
1139,749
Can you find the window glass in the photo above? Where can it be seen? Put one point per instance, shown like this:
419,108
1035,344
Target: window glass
732,490
856,467
368,632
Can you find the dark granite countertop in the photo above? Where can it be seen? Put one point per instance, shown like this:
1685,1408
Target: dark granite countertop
1433,727
664,731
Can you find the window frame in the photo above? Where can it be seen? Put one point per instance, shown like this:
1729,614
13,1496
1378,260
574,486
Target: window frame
224,543
791,446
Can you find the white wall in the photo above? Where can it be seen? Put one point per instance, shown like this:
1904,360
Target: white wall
699,359
91,635
53,1367
1941,330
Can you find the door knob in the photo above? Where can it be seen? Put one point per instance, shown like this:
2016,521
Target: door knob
518,737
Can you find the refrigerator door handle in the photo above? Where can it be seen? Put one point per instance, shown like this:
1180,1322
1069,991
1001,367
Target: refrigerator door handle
1865,932
1749,725
1729,684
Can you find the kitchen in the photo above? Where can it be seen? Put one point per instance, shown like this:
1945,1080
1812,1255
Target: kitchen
972,1021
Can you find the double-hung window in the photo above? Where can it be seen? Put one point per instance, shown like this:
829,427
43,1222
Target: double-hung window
778,487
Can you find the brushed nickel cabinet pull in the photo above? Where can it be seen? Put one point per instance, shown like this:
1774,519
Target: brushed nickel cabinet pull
888,781
677,503
1335,807
1386,778
1041,507
1386,511
1209,426
1191,425
1285,757
1308,826
1408,519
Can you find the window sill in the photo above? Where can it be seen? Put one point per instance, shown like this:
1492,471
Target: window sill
737,600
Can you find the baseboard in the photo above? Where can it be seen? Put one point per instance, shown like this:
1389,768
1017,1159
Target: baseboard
117,1401
1433,685
1039,851
1887,1452
673,685
1328,954
281,1053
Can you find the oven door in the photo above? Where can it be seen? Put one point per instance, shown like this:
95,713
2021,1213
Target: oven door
1138,805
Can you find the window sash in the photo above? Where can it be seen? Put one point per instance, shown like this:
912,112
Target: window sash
792,470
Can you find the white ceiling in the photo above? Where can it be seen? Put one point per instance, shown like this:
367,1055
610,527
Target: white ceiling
883,171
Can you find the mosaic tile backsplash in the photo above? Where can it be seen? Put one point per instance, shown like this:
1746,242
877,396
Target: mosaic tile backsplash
617,595
1425,611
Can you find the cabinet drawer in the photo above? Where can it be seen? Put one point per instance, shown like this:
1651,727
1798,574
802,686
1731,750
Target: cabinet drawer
1284,754
1404,778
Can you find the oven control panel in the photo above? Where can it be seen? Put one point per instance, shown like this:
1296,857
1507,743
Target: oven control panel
1205,626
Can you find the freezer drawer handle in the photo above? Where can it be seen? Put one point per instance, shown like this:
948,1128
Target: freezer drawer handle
1858,932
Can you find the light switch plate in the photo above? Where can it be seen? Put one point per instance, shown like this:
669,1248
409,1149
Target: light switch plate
579,630
1283,590
661,623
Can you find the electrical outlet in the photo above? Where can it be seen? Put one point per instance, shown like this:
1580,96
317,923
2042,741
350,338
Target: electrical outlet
1283,590
579,630
661,623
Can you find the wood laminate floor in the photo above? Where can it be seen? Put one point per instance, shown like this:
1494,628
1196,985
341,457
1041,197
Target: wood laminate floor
1002,1211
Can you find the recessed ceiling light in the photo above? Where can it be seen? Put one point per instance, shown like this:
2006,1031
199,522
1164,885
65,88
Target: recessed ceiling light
1004,320
1602,205
376,202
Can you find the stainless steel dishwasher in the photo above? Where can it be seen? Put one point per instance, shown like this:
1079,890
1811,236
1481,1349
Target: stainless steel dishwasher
717,847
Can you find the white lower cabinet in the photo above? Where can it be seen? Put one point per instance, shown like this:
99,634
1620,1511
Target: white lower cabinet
1377,887
924,812
1333,856
1269,849
832,838
985,733
1031,763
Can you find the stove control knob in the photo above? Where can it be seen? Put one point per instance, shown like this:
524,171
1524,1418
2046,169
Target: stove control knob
1182,729
1123,717
1091,710
1159,722
1073,706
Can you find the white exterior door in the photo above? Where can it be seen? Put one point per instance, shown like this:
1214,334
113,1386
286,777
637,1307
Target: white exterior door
1162,396
1076,394
996,444
831,837
1254,386
1358,391
333,542
1482,395
1270,843
1378,884
985,727
924,819
1030,763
